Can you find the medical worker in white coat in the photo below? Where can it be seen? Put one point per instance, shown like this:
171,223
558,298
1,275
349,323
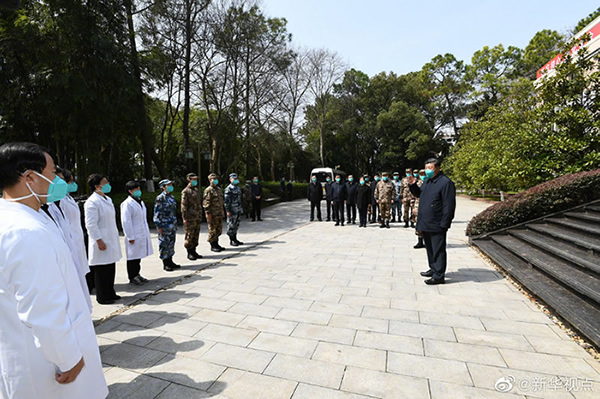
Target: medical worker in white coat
48,348
104,248
138,243
58,211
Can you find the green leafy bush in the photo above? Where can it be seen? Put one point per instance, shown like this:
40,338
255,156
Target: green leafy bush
552,196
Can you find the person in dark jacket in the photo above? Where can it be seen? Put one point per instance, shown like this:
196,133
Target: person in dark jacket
339,197
315,195
437,203
363,200
256,197
351,187
374,205
329,198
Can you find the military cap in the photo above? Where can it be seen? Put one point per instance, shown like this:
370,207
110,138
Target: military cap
396,174
408,170
422,172
233,176
384,173
165,182
191,176
415,170
212,176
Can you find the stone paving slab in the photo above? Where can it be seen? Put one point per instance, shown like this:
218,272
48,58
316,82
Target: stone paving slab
311,310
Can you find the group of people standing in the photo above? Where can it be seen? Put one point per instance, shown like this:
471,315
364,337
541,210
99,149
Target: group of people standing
377,201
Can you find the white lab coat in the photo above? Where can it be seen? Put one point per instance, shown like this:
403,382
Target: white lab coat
46,326
59,216
73,216
101,223
135,226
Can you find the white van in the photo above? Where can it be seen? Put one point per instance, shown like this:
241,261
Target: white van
323,173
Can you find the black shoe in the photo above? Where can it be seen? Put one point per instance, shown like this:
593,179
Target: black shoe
214,247
137,280
233,243
191,255
167,266
387,224
428,273
328,220
116,297
435,281
238,242
342,223
253,220
382,226
320,220
412,225
406,225
196,254
419,244
173,264
105,301
337,224
259,219
393,220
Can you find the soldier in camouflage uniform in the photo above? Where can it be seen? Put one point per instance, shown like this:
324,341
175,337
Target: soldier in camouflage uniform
165,219
397,205
408,200
191,211
385,194
246,199
233,206
213,208
422,178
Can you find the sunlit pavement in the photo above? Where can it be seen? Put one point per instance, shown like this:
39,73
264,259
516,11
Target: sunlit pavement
313,310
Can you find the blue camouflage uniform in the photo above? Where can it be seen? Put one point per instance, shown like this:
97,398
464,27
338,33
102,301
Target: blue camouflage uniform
233,205
165,218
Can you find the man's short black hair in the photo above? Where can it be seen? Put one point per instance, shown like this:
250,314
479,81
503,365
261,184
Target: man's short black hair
434,161
17,158
95,180
131,185
67,176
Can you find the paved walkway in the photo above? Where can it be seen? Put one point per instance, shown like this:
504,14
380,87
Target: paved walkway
310,310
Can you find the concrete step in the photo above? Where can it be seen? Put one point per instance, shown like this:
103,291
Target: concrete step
563,233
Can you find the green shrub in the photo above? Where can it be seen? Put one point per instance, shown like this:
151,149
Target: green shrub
552,196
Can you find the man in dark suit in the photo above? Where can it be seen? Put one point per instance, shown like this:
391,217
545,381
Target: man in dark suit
329,198
339,197
351,187
256,196
315,195
437,203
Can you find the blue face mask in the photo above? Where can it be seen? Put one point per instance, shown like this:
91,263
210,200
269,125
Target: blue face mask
170,189
215,182
424,178
362,182
429,173
256,181
377,179
56,190
328,180
236,181
337,180
366,179
395,177
137,193
351,179
385,178
314,180
194,183
106,188
72,187
408,175
415,174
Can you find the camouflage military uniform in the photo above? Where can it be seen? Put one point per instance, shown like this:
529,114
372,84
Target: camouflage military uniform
165,218
408,200
233,205
246,200
213,206
416,208
385,193
397,205
191,211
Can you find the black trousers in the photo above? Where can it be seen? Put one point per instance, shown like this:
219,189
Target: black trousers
314,205
256,204
435,245
329,210
338,212
374,207
362,215
133,268
104,279
351,213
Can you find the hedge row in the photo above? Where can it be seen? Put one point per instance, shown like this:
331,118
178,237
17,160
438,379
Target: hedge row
552,196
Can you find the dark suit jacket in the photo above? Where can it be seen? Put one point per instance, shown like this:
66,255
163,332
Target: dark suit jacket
339,192
437,203
315,192
363,196
351,188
